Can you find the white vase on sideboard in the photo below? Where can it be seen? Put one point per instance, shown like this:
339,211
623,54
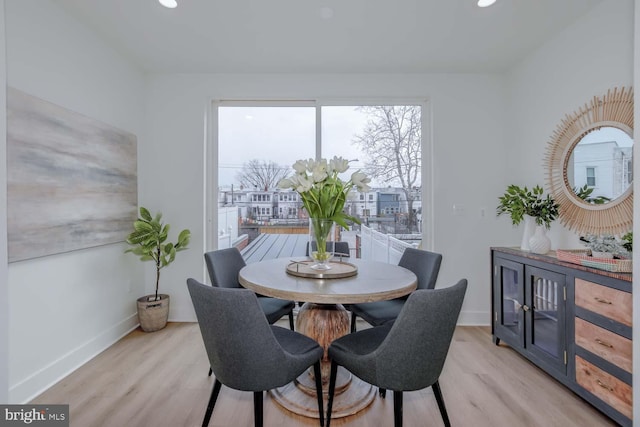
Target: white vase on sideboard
529,228
540,243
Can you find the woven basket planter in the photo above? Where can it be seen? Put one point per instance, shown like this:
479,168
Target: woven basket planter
153,315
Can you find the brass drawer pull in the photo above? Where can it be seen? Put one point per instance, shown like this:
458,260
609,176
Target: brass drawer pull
603,385
604,343
602,300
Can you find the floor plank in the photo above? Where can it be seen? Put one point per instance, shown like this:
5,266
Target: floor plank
160,379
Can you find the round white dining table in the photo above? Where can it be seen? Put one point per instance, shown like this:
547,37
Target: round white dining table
324,318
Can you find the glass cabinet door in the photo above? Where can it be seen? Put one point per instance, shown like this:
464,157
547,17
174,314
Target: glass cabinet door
508,300
545,336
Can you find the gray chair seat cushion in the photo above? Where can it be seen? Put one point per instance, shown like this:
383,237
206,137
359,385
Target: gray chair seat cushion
275,308
295,343
379,312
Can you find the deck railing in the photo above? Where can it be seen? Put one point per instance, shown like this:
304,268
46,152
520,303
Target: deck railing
376,246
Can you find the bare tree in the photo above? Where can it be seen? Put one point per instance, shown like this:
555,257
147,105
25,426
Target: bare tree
261,174
391,141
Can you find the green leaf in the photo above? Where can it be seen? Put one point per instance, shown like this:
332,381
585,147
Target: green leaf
145,214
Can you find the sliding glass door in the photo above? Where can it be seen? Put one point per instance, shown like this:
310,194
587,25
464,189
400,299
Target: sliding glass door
257,143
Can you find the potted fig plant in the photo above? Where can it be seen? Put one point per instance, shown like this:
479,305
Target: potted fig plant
531,207
149,242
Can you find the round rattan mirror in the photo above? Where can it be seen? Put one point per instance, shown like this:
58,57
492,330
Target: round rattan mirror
589,164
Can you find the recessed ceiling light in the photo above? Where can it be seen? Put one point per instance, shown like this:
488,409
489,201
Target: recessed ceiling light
168,3
485,3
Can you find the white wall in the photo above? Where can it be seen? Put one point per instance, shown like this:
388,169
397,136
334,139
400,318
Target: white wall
66,308
4,288
467,134
585,60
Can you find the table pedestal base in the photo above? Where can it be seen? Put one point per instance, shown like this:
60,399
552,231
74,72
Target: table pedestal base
324,323
300,398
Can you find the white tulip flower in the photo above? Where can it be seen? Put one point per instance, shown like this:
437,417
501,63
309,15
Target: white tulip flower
338,164
319,171
360,180
303,184
300,166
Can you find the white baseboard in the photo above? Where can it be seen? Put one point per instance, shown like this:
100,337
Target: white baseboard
474,318
29,388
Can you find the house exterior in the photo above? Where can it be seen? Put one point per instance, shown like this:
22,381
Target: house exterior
604,166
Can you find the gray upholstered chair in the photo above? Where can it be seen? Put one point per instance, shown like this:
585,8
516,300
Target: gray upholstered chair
424,264
245,352
405,355
224,266
340,249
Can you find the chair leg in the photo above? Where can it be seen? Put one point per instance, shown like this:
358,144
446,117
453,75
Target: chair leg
443,410
257,408
212,402
332,389
318,374
397,408
291,320
210,371
353,322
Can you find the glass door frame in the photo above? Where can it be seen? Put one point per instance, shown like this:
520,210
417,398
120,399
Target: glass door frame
557,361
211,160
514,339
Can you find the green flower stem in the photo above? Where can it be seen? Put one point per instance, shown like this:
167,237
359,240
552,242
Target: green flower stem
321,229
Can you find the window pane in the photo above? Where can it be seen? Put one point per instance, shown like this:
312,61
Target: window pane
257,146
591,177
279,135
385,142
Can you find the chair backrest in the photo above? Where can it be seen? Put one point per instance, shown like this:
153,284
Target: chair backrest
339,249
412,355
238,339
224,266
424,264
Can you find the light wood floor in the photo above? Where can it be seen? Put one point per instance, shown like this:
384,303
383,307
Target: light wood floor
160,379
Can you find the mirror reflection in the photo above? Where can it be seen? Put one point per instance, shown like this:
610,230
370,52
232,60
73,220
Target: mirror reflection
600,166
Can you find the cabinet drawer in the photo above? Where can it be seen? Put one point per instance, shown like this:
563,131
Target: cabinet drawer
605,386
606,344
609,302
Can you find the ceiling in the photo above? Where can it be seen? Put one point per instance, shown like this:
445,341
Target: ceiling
326,36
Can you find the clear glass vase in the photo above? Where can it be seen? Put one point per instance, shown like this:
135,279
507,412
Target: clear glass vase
321,242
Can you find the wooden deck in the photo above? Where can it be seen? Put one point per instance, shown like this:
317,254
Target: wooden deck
270,246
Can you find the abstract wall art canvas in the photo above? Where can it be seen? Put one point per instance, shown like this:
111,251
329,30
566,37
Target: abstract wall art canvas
72,180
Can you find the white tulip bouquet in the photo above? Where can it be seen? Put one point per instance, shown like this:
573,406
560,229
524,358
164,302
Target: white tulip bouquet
323,193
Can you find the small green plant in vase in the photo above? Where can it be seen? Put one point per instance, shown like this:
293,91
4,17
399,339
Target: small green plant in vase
522,204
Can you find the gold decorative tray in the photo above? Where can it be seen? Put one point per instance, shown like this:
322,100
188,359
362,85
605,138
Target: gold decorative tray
338,270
